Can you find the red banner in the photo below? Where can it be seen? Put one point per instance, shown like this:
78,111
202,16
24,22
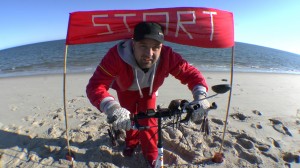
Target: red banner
202,27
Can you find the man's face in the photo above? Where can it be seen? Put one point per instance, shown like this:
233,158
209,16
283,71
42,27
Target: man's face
146,52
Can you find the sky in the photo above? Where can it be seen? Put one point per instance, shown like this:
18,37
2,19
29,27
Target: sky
269,23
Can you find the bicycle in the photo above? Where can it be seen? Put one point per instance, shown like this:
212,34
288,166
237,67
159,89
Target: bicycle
176,108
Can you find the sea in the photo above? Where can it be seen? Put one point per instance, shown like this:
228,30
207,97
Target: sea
48,58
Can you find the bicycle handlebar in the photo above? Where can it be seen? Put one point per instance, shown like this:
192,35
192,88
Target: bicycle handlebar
185,107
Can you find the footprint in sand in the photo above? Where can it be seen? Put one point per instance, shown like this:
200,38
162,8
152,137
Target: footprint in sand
239,116
217,121
250,157
244,136
245,143
271,156
262,147
258,126
249,142
257,112
274,142
279,127
59,117
55,131
289,157
38,123
246,147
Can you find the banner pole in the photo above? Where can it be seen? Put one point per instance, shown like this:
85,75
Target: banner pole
229,98
64,98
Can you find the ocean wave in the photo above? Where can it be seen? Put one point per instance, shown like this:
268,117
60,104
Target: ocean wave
48,58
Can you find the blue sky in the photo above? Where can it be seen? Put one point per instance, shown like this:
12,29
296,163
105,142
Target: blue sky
270,23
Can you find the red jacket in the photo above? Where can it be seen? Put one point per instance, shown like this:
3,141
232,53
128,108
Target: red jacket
115,73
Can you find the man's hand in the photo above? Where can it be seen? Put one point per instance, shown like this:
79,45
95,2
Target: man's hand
121,119
198,114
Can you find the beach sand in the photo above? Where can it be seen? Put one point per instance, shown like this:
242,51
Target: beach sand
263,129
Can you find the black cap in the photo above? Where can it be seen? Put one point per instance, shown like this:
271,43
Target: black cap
148,30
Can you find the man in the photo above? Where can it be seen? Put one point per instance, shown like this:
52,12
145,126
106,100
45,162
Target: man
136,68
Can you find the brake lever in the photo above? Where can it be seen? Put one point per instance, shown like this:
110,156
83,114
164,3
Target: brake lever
203,124
112,138
206,127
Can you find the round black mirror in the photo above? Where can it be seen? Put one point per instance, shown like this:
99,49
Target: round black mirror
222,88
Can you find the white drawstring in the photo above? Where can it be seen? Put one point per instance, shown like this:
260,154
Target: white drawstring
137,82
151,84
152,80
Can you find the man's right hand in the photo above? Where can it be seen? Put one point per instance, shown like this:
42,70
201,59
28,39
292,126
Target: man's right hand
121,118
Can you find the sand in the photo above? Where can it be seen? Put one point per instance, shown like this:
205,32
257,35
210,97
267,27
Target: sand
263,129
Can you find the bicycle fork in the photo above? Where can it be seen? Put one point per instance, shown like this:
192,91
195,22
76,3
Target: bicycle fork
160,158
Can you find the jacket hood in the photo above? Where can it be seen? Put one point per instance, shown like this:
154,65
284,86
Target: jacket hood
126,53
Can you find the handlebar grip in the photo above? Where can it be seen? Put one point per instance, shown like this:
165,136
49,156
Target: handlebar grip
213,106
112,119
196,106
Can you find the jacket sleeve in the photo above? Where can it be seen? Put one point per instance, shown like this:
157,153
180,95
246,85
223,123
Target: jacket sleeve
104,75
185,72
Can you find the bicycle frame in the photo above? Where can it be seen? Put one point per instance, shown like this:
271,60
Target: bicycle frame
159,114
160,157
